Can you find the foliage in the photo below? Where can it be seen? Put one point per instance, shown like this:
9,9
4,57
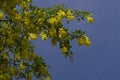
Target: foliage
21,22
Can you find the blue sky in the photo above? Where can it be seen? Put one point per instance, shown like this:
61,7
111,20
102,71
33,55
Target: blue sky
100,61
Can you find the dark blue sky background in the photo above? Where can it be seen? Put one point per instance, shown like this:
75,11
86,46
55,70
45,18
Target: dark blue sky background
100,61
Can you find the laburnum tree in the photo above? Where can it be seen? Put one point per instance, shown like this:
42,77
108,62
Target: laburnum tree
20,23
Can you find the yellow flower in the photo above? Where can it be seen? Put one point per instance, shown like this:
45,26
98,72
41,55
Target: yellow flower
62,33
87,41
18,16
53,20
17,56
43,36
51,32
1,15
32,36
26,21
83,40
61,13
64,49
22,66
70,15
27,14
23,4
80,41
69,12
89,19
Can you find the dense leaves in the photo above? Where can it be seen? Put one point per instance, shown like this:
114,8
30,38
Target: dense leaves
21,22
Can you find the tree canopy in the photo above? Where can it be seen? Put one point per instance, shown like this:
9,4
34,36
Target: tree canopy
21,22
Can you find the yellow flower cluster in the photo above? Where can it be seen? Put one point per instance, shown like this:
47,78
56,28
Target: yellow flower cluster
83,40
43,36
87,41
17,56
70,15
22,66
27,21
51,32
53,20
27,14
1,15
43,70
40,21
64,49
89,19
18,16
61,14
62,33
24,4
32,36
